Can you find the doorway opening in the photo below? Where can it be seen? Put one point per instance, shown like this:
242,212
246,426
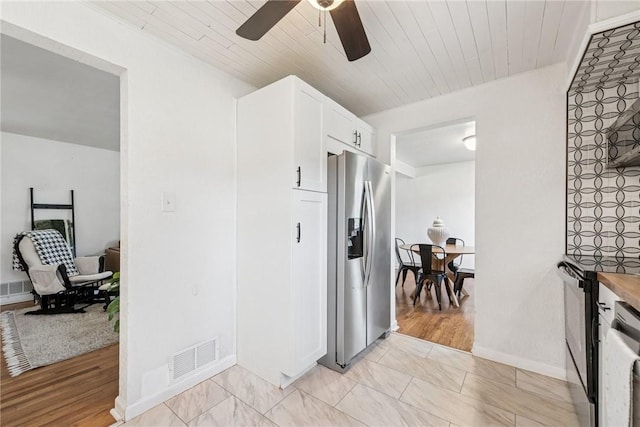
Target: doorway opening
435,188
60,132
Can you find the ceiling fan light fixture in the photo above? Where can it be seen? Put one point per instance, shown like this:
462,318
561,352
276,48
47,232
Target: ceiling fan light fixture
344,15
470,142
325,4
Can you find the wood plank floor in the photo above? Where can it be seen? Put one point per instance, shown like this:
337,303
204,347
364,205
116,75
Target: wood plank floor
75,392
452,327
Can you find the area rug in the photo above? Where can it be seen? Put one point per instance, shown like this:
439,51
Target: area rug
29,342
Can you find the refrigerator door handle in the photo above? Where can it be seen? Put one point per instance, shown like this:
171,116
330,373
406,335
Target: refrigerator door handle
371,231
364,214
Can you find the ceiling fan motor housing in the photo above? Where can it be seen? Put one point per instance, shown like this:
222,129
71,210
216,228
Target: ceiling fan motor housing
324,3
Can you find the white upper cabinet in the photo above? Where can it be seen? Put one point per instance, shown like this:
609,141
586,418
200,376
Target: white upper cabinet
309,156
339,123
282,124
345,131
365,137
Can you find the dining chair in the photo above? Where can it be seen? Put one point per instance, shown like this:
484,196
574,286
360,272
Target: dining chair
428,270
462,274
455,266
404,266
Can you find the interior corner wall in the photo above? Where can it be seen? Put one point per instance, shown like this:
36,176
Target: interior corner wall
520,205
606,9
178,269
54,168
447,191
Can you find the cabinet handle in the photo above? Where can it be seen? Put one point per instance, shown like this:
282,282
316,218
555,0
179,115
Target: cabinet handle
299,176
603,306
298,236
355,137
359,139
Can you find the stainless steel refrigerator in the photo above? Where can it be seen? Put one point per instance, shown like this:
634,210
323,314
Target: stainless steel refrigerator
359,256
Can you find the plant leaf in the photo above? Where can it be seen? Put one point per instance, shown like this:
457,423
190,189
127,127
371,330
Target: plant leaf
115,278
114,306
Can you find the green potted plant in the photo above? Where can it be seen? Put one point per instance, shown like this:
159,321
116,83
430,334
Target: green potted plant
114,306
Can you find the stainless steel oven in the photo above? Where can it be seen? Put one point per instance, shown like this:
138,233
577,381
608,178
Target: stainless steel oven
580,284
581,331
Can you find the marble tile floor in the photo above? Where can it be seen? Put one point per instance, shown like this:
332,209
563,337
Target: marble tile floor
402,381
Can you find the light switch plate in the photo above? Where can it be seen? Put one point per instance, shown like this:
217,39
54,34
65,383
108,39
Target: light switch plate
168,202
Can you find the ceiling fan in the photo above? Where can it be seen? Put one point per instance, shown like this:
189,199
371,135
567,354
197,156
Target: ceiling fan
343,12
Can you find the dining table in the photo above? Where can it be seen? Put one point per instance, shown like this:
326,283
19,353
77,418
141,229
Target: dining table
451,252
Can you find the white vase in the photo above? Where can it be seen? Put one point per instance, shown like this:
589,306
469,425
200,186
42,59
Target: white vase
438,233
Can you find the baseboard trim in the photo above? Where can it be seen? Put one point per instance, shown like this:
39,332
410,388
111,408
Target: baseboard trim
394,326
519,362
117,412
286,382
144,405
16,298
116,415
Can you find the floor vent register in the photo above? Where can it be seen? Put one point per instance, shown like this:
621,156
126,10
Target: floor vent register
193,358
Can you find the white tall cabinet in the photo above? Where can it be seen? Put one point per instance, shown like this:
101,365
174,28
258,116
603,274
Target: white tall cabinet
281,231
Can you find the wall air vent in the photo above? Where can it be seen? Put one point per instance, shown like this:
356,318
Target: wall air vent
18,291
193,358
206,353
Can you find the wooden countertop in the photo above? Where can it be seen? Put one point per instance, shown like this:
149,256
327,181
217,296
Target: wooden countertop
626,286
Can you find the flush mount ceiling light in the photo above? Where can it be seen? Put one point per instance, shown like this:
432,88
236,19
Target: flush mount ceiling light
470,142
343,13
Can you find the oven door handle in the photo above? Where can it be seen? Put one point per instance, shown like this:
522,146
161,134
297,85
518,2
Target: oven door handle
566,277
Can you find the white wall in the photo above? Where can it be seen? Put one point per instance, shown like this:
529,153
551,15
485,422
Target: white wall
520,208
178,269
605,9
447,191
54,168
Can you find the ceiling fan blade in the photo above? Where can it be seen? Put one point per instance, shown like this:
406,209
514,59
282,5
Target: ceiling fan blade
350,30
265,18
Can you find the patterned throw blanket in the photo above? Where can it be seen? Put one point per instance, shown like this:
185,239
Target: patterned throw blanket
64,226
51,247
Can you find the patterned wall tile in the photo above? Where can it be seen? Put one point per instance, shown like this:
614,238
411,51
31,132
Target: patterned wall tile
603,204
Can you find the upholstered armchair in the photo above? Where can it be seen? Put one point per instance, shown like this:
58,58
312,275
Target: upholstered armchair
59,280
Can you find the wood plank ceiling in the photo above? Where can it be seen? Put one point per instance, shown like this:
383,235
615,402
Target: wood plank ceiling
420,49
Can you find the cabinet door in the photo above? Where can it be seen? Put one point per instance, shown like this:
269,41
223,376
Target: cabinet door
606,303
308,280
365,139
309,157
602,333
340,124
